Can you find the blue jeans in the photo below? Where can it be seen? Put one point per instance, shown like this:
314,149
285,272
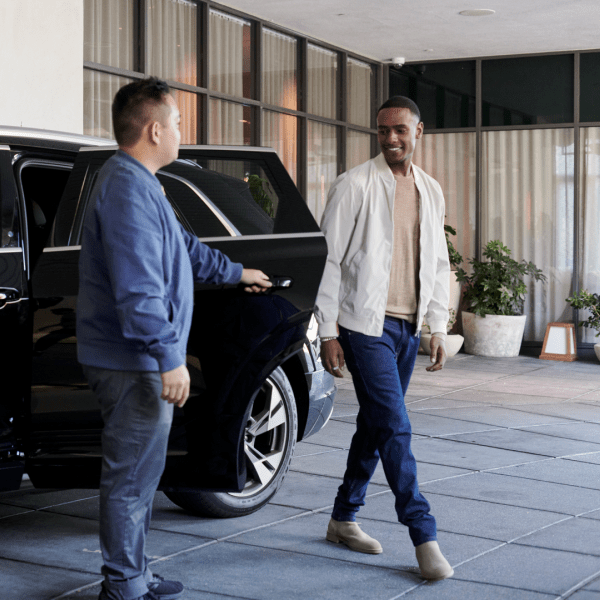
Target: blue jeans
381,368
134,447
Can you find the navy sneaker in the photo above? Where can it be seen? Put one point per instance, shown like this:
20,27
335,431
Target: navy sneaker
164,589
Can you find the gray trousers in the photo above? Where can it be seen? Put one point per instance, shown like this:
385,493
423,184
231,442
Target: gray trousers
134,446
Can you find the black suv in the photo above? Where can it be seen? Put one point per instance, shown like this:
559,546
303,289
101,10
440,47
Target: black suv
257,382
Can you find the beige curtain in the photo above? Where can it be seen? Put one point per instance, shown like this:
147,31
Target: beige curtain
281,133
321,85
226,123
322,165
188,108
450,159
99,89
172,40
358,89
229,54
589,219
358,148
279,78
528,204
108,32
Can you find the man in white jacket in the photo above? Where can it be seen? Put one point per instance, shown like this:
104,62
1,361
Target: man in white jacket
387,269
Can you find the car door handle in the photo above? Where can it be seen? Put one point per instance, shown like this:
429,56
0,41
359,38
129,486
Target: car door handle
8,295
281,283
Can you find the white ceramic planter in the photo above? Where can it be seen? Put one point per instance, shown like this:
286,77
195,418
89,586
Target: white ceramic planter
597,350
454,292
493,335
453,343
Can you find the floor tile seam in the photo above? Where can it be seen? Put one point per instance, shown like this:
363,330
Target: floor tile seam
579,586
26,512
577,552
470,387
319,453
500,504
577,487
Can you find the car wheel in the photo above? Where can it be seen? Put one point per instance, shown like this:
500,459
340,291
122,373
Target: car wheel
270,439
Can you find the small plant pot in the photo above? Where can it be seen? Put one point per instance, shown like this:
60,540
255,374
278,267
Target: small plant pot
453,343
497,336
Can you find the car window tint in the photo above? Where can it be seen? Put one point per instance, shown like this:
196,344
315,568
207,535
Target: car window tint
239,189
193,209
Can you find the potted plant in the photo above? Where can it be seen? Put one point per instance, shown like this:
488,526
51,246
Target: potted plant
455,262
494,296
454,342
584,300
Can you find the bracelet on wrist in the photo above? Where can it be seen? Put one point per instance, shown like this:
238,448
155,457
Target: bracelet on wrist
328,339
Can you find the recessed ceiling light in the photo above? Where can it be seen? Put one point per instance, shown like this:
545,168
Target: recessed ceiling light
477,12
428,50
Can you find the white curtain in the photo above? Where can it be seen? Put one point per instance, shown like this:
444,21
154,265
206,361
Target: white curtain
281,133
450,159
99,89
589,219
226,123
188,108
172,40
358,148
229,54
528,204
279,80
358,91
108,32
322,79
322,165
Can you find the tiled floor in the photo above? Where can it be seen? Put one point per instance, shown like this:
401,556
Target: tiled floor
509,458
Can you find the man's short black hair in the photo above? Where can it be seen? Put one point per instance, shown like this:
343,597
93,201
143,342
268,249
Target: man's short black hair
401,102
133,107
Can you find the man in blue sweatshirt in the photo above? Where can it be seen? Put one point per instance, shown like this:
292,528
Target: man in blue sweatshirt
137,271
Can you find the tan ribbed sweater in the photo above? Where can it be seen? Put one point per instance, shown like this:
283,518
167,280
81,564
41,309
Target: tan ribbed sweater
404,275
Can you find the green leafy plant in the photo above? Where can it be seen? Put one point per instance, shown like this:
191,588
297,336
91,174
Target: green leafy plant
586,301
453,254
497,285
257,189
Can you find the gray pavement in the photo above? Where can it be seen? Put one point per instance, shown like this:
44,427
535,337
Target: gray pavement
509,458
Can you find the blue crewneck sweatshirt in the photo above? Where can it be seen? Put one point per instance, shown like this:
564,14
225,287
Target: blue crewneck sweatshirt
136,273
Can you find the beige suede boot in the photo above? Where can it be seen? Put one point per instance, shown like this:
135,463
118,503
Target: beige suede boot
349,533
432,563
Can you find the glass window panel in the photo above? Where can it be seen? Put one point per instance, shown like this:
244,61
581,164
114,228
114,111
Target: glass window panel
450,158
358,148
589,220
229,55
281,133
188,108
322,82
108,36
519,91
171,48
444,92
590,86
99,90
230,124
322,165
279,78
358,90
528,204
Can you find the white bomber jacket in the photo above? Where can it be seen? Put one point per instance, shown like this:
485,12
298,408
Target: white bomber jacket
358,225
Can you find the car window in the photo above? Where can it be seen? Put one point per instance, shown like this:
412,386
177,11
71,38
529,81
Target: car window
234,191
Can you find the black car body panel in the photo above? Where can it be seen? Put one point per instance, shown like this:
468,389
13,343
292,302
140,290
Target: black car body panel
50,421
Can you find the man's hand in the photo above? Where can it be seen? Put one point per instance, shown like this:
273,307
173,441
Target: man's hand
176,386
332,357
255,280
438,353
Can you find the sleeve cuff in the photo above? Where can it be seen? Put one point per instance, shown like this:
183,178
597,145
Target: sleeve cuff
328,330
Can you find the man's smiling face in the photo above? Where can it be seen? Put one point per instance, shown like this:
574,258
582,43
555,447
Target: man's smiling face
398,129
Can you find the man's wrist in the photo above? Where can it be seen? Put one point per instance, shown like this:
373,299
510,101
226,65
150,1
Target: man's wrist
439,334
329,338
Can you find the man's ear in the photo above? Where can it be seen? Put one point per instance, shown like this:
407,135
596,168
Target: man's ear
420,128
154,132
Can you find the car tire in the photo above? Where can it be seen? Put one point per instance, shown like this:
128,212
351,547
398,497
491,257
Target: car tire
270,439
